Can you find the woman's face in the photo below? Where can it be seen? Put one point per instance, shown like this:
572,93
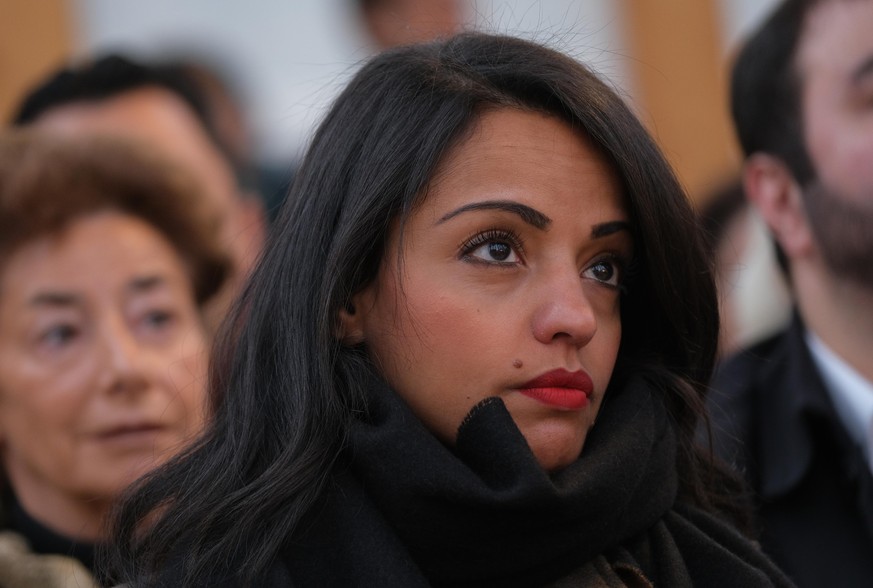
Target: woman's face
507,284
102,362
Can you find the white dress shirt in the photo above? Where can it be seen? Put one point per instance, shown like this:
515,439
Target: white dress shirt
851,393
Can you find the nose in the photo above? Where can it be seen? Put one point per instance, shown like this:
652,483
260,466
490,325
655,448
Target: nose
124,361
563,311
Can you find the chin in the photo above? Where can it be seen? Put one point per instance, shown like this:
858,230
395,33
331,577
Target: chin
553,464
556,449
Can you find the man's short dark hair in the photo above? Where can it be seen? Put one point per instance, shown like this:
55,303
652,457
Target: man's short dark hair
102,79
112,75
766,90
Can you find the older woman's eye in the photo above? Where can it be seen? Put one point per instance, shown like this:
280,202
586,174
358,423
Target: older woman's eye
158,319
497,247
58,336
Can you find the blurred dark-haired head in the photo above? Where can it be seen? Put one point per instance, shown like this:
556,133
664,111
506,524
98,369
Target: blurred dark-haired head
165,108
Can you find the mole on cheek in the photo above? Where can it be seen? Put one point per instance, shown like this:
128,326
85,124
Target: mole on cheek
517,363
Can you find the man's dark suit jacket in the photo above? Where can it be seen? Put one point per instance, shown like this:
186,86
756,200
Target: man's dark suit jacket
773,419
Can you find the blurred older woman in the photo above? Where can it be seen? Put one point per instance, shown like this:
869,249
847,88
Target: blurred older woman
106,258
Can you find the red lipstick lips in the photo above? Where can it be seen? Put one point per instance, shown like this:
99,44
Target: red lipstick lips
560,389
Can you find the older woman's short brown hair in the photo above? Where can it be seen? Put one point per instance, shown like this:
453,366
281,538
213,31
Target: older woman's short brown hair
47,182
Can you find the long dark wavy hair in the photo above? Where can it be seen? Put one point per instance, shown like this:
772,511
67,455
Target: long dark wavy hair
283,388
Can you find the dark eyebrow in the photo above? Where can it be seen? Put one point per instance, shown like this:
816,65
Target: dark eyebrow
605,229
54,299
527,214
863,70
141,284
146,283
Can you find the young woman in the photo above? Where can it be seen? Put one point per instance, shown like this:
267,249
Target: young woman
473,355
106,260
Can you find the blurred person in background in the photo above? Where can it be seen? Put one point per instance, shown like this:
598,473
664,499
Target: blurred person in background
795,412
115,95
391,23
108,255
226,115
753,300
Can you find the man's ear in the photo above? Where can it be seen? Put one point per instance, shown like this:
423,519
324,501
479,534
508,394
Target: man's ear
351,320
778,198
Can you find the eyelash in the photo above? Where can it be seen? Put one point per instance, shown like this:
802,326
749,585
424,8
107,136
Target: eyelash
507,236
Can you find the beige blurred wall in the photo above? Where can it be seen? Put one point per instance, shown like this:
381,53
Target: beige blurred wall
35,37
676,58
680,72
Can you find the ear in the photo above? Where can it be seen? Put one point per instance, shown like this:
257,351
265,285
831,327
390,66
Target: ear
351,322
778,198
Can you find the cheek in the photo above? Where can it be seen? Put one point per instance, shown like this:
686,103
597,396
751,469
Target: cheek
859,162
180,372
435,350
432,329
43,398
844,162
840,146
186,387
598,357
612,342
41,419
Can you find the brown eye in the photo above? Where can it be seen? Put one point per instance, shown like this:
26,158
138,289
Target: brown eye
499,251
495,251
493,246
605,271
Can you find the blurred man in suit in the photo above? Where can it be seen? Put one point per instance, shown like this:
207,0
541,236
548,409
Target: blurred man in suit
795,413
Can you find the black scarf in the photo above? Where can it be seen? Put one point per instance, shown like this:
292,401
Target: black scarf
406,511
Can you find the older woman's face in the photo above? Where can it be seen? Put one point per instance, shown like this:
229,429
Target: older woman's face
508,286
102,362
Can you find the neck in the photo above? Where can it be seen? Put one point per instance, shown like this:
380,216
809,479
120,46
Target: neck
839,312
75,517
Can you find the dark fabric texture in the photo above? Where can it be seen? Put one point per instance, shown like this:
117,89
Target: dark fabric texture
43,540
406,511
31,555
773,420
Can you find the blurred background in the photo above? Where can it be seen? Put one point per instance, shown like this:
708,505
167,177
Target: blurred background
278,64
286,59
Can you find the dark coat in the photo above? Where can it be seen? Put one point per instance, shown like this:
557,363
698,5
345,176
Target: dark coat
773,419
